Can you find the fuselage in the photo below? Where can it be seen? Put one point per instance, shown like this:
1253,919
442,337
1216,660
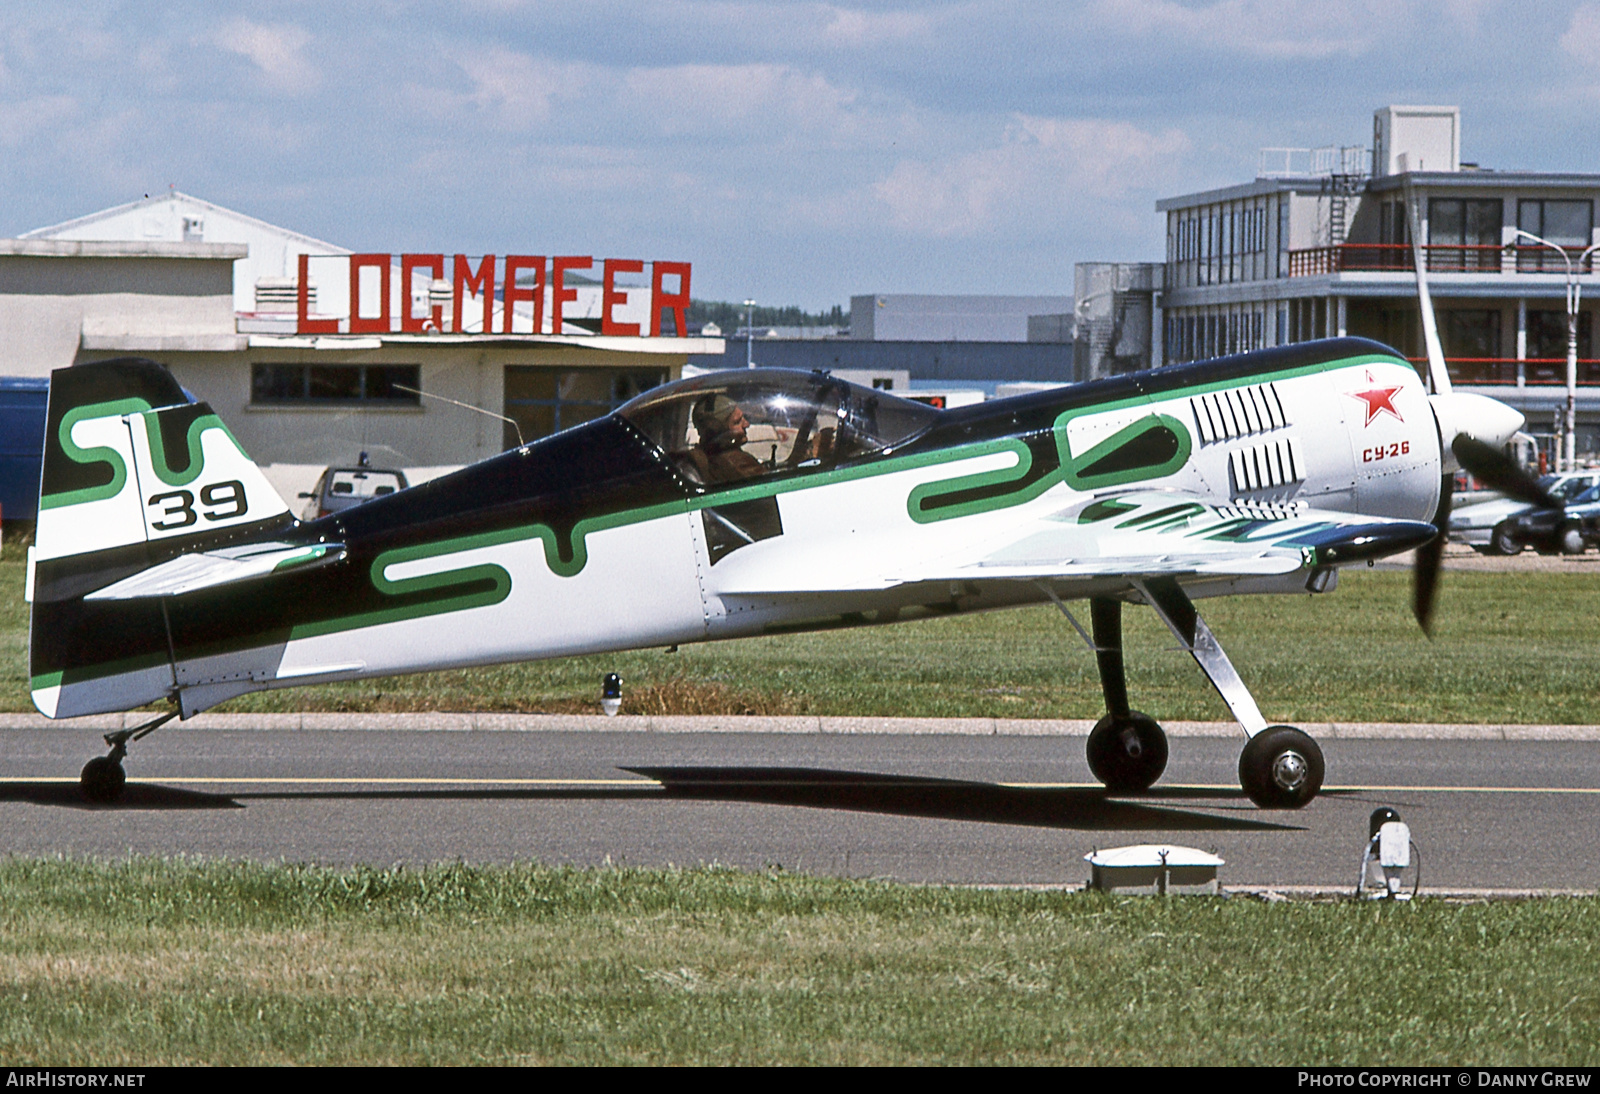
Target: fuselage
607,537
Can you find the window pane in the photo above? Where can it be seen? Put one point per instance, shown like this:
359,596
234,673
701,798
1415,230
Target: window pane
1444,221
1483,223
1472,332
1530,217
336,383
382,381
277,383
1568,223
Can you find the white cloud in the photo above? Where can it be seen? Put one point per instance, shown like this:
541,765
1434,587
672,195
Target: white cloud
691,98
855,28
275,49
1042,169
21,120
1305,29
519,90
1582,39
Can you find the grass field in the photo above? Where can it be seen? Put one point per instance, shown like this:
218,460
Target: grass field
164,962
1509,647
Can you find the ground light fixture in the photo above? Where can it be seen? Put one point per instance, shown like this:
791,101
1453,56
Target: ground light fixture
1392,851
611,694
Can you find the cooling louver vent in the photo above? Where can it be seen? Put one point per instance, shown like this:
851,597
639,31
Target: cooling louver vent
1238,412
1266,466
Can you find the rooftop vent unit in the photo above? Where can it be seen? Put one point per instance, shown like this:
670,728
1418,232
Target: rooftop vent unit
280,295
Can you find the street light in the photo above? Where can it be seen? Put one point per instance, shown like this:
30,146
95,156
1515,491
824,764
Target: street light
1569,424
749,334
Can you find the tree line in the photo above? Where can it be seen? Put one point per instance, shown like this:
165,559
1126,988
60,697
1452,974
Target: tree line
730,316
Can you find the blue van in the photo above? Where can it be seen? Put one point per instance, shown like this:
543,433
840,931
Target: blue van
22,410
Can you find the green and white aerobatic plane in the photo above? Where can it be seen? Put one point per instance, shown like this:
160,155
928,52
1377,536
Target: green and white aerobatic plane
166,568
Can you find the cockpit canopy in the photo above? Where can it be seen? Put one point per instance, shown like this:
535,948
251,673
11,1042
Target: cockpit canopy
733,425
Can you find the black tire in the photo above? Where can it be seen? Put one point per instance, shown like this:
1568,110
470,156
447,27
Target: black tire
102,780
1281,768
1569,538
1127,752
1502,541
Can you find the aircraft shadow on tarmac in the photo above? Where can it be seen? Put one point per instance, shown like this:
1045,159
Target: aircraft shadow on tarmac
134,796
1085,808
950,799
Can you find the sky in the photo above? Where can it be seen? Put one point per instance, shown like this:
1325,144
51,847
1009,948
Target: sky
795,153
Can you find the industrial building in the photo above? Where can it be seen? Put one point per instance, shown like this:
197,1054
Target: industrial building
1320,244
940,341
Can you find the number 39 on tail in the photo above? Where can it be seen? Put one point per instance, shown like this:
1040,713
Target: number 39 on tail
166,569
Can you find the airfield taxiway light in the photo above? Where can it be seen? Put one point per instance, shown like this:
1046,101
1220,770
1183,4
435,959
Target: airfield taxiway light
1154,869
611,694
1390,848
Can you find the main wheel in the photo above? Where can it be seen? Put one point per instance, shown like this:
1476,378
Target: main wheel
1502,541
1281,768
1127,752
1569,538
102,780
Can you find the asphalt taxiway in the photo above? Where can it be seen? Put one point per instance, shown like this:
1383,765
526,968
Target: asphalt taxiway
1487,812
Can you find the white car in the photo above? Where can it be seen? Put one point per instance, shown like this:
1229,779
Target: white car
1475,524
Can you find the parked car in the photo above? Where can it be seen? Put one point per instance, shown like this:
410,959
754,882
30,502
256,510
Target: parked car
346,487
1476,524
1570,531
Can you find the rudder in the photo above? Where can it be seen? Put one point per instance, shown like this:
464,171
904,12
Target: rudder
135,472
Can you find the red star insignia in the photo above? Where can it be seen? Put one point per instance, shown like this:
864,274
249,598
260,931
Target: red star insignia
1379,400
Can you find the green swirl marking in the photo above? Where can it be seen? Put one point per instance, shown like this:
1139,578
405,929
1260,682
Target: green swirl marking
158,449
97,454
1014,474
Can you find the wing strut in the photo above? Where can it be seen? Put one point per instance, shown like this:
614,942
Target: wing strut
1176,610
1056,600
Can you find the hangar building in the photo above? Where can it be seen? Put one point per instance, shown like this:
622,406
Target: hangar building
313,354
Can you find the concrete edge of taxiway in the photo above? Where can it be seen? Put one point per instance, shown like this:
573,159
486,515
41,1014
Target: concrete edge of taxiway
844,726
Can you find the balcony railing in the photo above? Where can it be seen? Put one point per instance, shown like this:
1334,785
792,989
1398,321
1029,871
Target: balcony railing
1537,371
1441,258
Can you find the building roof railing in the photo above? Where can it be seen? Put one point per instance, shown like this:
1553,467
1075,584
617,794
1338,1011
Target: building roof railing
1441,258
1536,371
1288,163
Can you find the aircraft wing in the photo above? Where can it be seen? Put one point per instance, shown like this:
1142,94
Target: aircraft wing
1158,533
1133,534
208,569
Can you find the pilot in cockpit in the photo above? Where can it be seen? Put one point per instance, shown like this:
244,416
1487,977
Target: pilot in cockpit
723,429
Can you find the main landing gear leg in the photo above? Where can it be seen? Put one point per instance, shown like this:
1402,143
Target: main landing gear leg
102,778
1127,749
1280,767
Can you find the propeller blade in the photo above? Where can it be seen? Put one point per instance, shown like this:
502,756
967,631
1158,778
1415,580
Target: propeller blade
1492,466
1425,576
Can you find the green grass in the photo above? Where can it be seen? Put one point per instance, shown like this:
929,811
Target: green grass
172,962
1509,647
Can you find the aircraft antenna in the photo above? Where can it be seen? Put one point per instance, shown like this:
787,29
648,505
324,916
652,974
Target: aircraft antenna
468,406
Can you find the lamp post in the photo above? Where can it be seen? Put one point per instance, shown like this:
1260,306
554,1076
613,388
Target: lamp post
1567,459
749,334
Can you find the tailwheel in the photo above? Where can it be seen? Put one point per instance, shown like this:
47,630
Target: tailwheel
1281,768
1128,751
102,780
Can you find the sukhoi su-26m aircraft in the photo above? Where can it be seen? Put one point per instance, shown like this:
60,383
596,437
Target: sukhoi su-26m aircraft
737,503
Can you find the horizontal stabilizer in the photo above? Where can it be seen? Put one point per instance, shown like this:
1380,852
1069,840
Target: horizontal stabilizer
225,566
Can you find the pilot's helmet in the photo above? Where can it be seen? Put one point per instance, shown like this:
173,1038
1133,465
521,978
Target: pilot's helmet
711,416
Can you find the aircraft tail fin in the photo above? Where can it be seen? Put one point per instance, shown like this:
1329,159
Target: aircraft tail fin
136,474
130,458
